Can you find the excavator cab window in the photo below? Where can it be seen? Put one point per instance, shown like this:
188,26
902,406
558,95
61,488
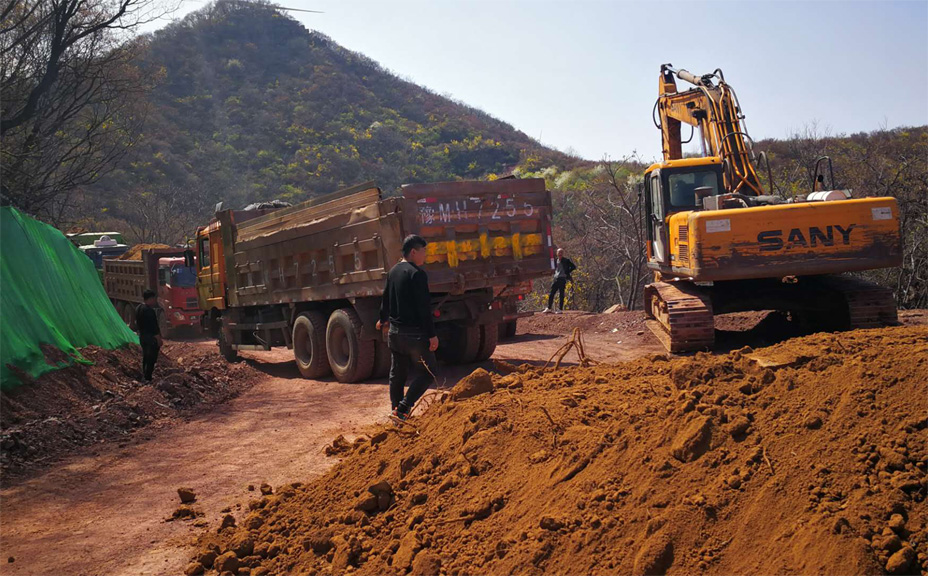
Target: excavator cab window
683,187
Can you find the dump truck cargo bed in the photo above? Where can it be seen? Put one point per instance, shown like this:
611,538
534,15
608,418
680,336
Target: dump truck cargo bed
480,235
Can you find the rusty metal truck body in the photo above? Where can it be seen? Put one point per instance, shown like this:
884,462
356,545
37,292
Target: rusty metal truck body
310,277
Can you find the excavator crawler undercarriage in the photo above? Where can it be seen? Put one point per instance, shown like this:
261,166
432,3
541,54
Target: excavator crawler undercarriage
681,313
680,316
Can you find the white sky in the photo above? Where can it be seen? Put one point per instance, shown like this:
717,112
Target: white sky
582,76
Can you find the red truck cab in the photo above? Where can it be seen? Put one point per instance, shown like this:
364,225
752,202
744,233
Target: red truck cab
177,293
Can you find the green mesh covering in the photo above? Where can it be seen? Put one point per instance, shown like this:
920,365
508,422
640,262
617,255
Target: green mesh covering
50,298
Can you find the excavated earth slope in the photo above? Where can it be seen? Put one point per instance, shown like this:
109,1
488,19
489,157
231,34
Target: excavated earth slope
805,457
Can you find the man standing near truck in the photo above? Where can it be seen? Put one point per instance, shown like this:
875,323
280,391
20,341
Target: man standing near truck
562,271
146,322
406,308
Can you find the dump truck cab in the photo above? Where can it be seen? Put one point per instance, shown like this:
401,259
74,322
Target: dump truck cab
177,292
211,266
210,276
100,246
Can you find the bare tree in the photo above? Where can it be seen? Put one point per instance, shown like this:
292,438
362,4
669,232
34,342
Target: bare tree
165,215
69,93
602,225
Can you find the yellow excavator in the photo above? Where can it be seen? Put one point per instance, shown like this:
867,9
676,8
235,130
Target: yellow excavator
718,242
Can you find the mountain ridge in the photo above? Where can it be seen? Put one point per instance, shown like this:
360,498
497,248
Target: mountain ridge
250,106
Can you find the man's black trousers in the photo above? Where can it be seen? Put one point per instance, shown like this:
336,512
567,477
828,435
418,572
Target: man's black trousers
150,350
409,353
559,285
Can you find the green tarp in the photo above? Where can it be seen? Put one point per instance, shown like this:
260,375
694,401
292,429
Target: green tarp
50,294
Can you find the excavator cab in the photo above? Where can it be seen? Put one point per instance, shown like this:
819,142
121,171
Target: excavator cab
676,186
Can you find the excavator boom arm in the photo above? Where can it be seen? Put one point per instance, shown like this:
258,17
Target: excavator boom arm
713,108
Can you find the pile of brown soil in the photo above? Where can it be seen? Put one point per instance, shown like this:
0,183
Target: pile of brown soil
808,456
47,418
135,253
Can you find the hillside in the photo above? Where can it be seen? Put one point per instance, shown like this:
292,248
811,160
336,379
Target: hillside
250,105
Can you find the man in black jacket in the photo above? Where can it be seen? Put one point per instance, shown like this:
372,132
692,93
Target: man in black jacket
406,307
562,271
146,322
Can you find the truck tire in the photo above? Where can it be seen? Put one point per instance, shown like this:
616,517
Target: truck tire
213,324
309,345
462,346
351,358
229,353
489,336
507,330
382,359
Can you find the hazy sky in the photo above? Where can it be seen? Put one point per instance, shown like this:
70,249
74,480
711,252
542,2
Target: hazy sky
583,75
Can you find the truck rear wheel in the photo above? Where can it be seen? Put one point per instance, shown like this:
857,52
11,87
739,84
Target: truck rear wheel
462,345
351,358
229,353
309,345
489,336
213,324
382,359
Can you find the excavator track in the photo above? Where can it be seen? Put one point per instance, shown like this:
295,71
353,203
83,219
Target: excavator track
680,316
868,305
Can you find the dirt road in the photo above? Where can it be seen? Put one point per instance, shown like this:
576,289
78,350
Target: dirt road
103,511
105,514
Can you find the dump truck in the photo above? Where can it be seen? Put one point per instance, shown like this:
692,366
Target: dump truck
99,246
310,277
719,241
171,272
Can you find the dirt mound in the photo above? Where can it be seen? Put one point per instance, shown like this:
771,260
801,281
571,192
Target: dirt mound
82,405
135,253
805,457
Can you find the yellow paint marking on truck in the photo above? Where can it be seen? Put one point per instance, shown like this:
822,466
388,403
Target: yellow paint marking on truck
516,246
452,248
453,252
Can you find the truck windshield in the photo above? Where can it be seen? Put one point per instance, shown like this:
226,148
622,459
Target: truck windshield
183,276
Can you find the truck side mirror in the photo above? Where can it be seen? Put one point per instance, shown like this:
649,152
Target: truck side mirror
189,259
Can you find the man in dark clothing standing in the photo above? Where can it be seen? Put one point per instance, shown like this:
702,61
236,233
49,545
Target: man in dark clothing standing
406,308
146,322
562,273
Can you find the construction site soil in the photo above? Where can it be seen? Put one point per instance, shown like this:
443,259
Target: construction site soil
808,456
105,402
